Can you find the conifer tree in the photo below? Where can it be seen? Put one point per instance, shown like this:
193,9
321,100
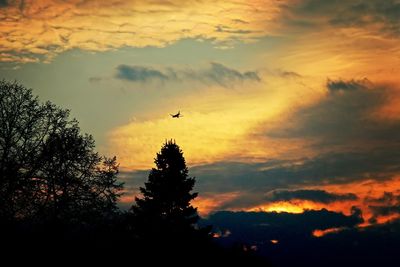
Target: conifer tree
165,208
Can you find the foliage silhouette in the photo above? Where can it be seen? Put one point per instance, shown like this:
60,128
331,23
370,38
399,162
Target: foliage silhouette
58,197
49,171
165,223
165,208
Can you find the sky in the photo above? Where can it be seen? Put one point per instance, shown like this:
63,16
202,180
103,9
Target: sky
288,105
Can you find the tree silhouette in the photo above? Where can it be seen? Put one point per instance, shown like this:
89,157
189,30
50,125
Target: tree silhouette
164,221
165,209
58,196
49,171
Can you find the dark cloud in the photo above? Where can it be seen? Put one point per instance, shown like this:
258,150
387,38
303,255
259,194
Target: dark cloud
95,79
362,13
386,198
330,168
386,205
351,13
222,28
263,226
139,74
216,73
254,180
3,3
221,74
345,117
307,194
353,144
240,21
290,74
337,85
385,210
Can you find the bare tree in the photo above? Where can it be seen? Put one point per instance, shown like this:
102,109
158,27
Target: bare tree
48,169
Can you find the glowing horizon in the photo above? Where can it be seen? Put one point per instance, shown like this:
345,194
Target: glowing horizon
293,96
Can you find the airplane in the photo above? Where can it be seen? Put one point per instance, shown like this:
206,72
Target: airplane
177,115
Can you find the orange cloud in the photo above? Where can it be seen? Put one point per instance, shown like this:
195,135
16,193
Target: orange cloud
366,190
320,233
207,203
48,27
341,53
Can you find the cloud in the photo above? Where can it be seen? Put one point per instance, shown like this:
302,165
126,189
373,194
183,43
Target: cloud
12,57
306,194
338,85
387,205
351,117
385,210
139,74
244,186
42,30
386,198
47,28
3,3
352,140
370,12
341,38
220,74
330,168
216,122
262,226
95,79
382,17
216,73
254,180
290,74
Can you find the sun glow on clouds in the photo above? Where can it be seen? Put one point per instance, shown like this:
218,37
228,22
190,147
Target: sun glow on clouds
283,206
218,124
368,192
226,126
299,206
207,203
229,123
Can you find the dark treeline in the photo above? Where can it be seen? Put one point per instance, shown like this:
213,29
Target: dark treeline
58,197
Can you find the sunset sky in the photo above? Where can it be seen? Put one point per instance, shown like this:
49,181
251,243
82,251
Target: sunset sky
287,104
